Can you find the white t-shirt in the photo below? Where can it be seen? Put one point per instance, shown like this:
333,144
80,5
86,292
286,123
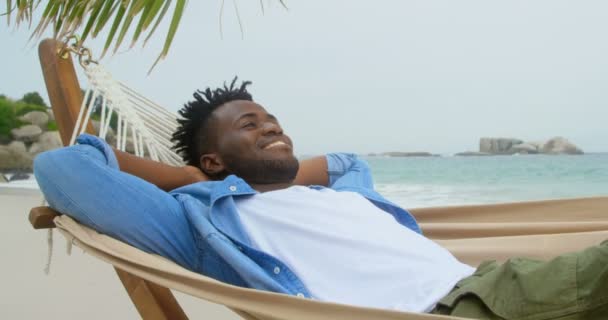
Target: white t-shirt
346,250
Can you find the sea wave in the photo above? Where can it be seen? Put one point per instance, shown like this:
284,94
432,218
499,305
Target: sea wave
432,195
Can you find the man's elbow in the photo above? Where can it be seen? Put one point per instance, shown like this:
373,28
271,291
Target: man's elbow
45,165
65,169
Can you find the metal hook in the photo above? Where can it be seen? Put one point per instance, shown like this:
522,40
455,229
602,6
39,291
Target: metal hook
85,57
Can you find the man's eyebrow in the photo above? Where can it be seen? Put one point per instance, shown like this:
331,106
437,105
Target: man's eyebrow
247,115
255,115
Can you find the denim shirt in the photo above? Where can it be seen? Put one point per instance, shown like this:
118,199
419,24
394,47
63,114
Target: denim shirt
197,226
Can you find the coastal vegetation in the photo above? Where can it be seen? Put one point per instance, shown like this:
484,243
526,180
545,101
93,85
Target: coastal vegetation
12,110
27,127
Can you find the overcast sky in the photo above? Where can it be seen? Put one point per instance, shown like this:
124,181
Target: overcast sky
371,76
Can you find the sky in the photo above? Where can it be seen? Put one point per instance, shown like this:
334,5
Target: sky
375,76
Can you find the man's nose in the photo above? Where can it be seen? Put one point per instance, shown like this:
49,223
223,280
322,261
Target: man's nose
272,128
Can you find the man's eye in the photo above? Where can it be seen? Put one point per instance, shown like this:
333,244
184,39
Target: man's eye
249,125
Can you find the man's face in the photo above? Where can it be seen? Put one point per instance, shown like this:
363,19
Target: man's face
249,143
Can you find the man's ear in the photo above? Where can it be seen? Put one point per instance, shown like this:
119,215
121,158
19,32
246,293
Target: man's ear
211,164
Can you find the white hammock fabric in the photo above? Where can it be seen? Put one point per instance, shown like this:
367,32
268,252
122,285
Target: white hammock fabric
149,125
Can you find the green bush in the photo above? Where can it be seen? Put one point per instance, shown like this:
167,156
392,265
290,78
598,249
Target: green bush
22,108
33,98
8,118
11,110
52,126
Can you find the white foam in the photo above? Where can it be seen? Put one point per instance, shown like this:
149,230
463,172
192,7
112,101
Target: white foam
419,196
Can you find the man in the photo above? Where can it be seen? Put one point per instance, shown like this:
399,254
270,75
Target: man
245,211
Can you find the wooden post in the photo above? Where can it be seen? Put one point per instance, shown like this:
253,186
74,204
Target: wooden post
151,300
62,86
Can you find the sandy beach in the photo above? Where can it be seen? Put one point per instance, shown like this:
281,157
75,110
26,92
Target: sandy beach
78,286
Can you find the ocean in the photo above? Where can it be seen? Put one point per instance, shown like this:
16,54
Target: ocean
414,182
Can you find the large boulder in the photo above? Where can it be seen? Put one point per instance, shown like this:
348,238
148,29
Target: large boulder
28,133
525,148
110,135
51,114
560,145
15,156
38,118
498,145
47,141
19,175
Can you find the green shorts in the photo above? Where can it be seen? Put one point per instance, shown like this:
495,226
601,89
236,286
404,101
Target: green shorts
571,286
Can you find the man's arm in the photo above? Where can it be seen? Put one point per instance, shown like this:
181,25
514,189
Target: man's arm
313,171
84,182
334,168
162,175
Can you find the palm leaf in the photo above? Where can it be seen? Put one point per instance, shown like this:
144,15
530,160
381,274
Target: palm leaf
134,9
159,18
90,17
122,9
144,16
177,16
97,7
104,16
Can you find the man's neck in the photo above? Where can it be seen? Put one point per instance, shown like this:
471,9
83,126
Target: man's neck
271,186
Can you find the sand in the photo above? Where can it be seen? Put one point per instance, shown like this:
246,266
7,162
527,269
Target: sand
78,286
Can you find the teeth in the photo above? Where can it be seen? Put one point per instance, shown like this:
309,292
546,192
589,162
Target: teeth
274,144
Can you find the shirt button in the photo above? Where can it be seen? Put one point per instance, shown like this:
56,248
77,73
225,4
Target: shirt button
277,270
300,294
232,188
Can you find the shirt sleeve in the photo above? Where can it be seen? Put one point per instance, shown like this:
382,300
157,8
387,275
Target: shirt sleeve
84,182
348,170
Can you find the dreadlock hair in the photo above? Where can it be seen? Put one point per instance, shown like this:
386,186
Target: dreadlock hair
191,137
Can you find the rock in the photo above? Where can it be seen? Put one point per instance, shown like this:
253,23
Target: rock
51,114
525,148
17,146
19,176
498,145
27,133
38,118
472,154
407,154
110,135
47,141
6,161
537,144
129,146
5,139
15,156
560,145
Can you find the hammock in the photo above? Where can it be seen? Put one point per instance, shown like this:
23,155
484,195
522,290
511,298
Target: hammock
540,229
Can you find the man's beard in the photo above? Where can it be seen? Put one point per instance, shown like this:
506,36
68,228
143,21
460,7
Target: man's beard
262,171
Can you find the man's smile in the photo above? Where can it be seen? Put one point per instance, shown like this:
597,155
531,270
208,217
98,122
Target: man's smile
276,144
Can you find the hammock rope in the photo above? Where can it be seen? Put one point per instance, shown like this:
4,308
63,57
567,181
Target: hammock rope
148,125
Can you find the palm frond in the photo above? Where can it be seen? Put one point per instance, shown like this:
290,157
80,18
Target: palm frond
91,17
